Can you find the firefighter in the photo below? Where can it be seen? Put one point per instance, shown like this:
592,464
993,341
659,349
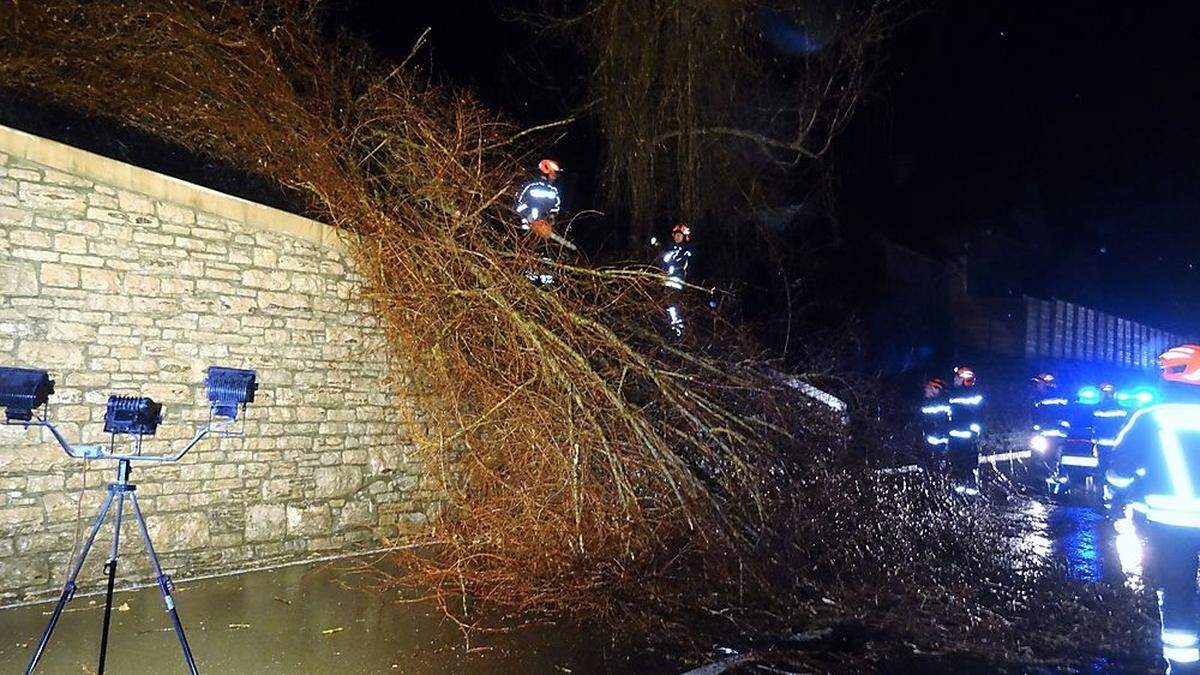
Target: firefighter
1078,461
935,416
1108,418
1155,467
1049,420
966,426
538,203
674,259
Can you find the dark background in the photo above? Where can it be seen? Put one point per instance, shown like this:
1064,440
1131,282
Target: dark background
1067,129
1053,144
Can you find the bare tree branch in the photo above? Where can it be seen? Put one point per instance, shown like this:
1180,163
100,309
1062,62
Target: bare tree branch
765,142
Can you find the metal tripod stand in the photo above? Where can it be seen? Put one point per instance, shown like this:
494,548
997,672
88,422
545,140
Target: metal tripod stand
117,490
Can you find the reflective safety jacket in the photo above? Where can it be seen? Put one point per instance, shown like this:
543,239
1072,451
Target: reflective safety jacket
935,421
537,200
1077,439
674,260
1156,461
1107,421
1050,416
966,413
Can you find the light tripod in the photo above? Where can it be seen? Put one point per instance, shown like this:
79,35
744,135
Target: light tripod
117,490
24,390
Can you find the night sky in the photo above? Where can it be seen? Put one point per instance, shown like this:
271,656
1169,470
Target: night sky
1069,126
1060,137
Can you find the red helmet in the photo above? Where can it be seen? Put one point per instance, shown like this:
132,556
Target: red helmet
549,167
967,375
1181,364
684,230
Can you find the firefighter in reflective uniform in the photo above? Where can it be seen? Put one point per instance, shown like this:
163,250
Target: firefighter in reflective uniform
935,417
1155,468
674,259
1077,458
538,204
539,200
1049,420
966,426
1108,418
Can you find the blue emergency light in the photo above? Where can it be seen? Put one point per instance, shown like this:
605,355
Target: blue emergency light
1089,395
1137,398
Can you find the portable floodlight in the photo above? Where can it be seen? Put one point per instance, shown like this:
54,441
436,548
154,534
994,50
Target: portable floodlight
135,415
22,390
229,389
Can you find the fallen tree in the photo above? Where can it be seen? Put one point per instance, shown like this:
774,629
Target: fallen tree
588,469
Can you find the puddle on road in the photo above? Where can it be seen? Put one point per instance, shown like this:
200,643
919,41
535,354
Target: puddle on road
1092,547
302,619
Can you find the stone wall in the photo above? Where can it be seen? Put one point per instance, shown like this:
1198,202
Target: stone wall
122,281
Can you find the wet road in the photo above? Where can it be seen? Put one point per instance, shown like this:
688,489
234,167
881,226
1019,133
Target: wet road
302,619
328,618
1092,547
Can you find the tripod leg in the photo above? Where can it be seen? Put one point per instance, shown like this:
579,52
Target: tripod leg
111,568
68,591
164,584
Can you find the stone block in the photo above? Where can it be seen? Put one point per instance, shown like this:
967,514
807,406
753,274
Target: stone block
262,279
20,516
62,355
141,284
148,237
55,198
15,217
18,278
24,572
100,280
171,213
383,459
60,178
265,522
308,521
337,481
135,203
113,216
276,488
272,300
70,243
79,333
63,276
356,514
83,260
47,483
30,238
38,254
178,531
25,173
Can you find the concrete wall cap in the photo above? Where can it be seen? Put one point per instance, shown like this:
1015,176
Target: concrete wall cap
121,175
